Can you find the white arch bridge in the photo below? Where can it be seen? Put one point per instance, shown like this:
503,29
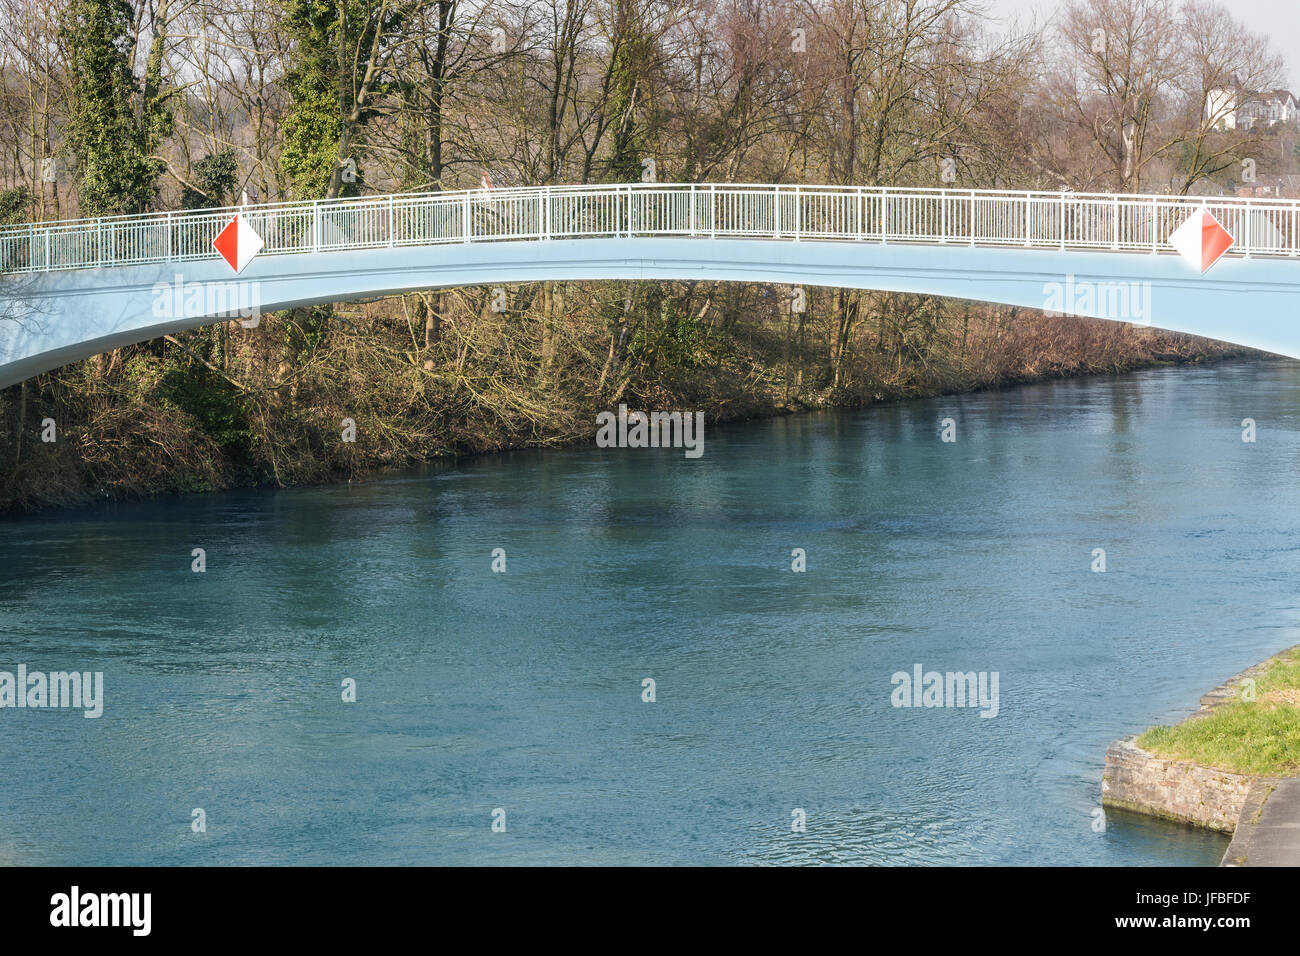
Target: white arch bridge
69,290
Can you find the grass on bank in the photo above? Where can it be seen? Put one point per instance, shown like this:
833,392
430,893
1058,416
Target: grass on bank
1256,737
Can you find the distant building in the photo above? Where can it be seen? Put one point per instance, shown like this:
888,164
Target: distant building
1221,108
1277,187
1233,108
1267,109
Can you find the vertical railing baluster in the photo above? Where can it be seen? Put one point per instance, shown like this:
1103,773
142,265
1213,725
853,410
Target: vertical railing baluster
1249,238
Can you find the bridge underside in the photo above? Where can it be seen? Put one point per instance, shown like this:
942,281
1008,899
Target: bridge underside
50,319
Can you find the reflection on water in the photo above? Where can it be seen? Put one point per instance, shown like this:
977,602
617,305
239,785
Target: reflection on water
523,690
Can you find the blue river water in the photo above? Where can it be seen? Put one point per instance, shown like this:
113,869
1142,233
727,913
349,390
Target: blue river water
517,697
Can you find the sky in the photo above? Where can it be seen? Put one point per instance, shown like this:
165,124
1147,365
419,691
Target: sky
1279,20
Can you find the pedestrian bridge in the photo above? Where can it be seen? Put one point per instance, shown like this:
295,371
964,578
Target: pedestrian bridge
69,290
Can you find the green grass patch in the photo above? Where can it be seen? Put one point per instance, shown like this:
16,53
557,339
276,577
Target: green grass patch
1258,737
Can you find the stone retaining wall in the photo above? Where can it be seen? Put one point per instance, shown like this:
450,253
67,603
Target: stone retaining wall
1178,789
1173,789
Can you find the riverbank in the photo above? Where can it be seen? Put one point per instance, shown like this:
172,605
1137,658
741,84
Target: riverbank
1230,766
347,396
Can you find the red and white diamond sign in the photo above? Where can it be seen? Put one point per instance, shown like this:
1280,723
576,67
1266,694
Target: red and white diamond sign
1201,240
237,243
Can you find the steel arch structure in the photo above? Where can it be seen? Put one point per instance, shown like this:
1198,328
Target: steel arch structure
70,290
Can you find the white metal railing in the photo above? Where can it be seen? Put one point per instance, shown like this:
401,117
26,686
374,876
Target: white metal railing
1054,220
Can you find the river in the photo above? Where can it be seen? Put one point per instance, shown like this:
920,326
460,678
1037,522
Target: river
518,697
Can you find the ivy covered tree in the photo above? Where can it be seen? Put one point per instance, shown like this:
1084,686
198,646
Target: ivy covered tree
214,181
633,55
342,50
14,205
115,123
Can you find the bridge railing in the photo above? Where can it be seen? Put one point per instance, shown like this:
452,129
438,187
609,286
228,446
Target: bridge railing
1061,220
